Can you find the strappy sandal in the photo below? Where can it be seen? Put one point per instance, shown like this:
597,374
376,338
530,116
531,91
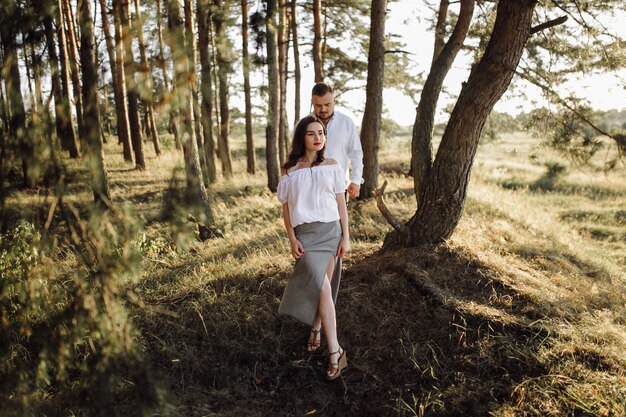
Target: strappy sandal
315,340
335,368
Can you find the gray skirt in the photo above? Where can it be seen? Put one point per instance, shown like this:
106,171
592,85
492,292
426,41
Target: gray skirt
302,294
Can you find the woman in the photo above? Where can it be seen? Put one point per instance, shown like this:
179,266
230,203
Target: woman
311,191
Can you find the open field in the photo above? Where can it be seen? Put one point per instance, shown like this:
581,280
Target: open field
521,313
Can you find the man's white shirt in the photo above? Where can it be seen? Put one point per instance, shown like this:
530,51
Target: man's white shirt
343,144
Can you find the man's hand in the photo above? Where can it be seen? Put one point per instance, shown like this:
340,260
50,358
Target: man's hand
354,190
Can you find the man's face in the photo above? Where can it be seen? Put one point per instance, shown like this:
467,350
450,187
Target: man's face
323,106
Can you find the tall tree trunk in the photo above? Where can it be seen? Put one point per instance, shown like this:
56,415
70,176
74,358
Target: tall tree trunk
74,67
271,134
421,145
370,127
443,196
206,89
283,36
182,99
70,139
93,138
223,70
250,160
17,121
122,110
297,74
63,124
190,42
173,118
118,81
317,41
130,67
148,84
36,66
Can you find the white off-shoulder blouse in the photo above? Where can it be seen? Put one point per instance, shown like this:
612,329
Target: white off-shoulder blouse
311,193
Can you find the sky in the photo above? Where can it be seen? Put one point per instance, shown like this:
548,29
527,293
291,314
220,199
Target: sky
603,91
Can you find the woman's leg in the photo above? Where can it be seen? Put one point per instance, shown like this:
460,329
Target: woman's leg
317,323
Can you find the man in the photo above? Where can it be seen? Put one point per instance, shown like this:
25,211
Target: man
342,138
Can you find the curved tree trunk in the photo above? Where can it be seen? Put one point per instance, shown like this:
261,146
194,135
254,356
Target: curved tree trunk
317,41
443,196
206,88
370,127
421,144
271,134
94,153
440,29
250,159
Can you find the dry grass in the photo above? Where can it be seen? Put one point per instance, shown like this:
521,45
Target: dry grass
520,313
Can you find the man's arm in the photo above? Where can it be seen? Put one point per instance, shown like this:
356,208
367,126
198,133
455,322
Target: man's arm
355,154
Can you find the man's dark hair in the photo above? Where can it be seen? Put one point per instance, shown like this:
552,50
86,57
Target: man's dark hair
320,89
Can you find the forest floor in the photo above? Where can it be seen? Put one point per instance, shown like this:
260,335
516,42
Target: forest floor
521,312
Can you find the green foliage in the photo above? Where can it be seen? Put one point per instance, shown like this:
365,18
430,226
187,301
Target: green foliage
65,329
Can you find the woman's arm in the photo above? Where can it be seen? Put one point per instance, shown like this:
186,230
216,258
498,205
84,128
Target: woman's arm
344,245
296,247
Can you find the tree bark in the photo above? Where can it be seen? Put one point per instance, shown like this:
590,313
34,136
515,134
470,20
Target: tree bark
440,29
173,118
297,74
17,120
63,124
444,194
273,106
250,157
148,84
190,42
283,35
421,144
122,110
206,88
119,88
93,138
370,127
69,140
182,100
72,56
223,69
317,41
129,65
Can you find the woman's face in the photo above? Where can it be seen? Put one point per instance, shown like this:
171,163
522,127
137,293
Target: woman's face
314,138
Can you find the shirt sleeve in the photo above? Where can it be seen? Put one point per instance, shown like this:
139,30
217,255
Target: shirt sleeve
283,189
339,180
355,154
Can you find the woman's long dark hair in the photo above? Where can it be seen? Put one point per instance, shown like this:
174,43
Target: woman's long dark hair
298,149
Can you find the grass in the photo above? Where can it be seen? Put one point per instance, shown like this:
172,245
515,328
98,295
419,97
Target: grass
520,313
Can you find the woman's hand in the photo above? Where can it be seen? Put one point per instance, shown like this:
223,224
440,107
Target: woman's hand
296,248
344,247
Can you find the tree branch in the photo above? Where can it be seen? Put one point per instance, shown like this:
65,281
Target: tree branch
380,203
398,51
548,24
